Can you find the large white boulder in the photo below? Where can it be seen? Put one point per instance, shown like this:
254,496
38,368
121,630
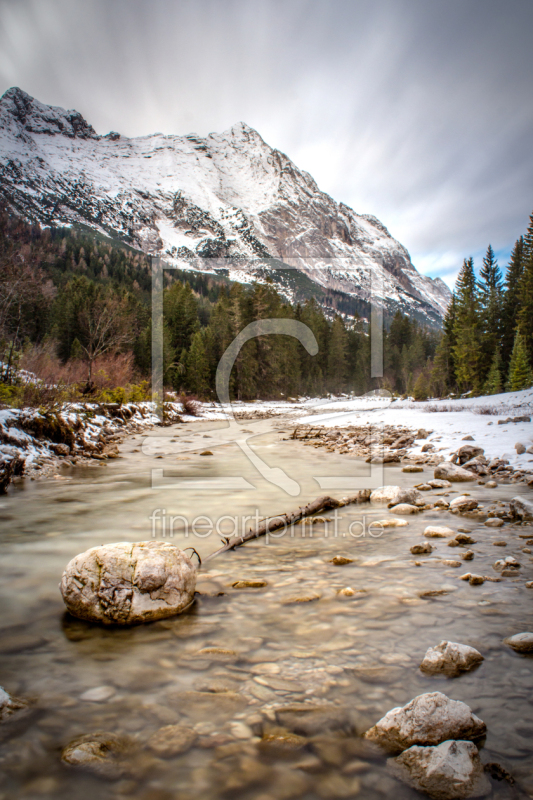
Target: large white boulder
450,658
429,719
450,771
451,472
126,583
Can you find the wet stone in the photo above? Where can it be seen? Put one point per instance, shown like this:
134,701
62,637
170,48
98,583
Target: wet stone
172,740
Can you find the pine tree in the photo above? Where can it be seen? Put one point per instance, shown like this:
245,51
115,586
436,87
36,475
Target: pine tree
421,387
466,330
493,384
511,300
520,375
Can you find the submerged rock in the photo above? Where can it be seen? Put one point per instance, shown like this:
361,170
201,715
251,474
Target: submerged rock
429,719
10,705
450,658
450,771
127,583
104,754
451,472
521,642
172,740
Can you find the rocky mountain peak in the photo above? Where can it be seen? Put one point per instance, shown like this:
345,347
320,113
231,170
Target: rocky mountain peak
19,112
225,201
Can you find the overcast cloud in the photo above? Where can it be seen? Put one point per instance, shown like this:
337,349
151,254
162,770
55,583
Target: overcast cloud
417,111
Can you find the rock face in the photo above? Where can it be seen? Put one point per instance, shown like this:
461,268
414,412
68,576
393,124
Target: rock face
521,508
223,201
451,472
450,771
127,583
521,642
429,719
450,658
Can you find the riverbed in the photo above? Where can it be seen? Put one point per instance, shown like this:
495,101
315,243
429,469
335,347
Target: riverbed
242,664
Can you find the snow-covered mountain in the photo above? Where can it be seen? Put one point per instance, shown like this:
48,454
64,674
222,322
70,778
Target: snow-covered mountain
227,201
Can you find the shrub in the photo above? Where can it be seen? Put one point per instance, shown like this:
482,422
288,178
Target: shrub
190,404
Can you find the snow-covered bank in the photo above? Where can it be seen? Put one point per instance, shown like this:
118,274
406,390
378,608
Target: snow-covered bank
33,442
448,421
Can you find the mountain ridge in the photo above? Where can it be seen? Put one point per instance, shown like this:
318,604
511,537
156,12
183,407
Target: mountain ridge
224,201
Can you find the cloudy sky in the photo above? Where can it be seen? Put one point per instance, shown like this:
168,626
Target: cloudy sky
417,111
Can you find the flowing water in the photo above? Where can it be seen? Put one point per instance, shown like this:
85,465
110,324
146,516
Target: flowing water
232,665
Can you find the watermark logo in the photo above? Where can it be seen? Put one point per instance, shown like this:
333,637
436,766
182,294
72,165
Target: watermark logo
233,433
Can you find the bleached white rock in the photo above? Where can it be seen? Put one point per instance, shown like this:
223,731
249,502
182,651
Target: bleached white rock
450,658
394,495
451,472
428,719
126,583
450,771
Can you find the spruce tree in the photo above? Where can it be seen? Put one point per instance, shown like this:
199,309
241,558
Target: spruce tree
467,333
490,295
337,356
520,375
511,300
493,384
198,367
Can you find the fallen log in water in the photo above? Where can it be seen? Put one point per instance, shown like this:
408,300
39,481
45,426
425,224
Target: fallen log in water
285,520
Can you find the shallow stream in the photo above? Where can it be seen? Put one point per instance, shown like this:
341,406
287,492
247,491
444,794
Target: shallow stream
233,664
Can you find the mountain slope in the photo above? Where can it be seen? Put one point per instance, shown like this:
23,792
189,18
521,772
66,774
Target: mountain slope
226,201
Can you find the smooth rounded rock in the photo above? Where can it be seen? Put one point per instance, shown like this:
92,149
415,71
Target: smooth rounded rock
450,658
390,522
463,503
521,642
428,719
438,532
420,549
494,522
103,754
450,771
451,472
128,583
405,508
172,740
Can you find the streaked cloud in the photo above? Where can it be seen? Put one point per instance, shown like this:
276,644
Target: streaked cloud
418,112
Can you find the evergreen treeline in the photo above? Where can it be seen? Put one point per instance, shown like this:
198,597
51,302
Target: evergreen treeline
90,296
487,342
